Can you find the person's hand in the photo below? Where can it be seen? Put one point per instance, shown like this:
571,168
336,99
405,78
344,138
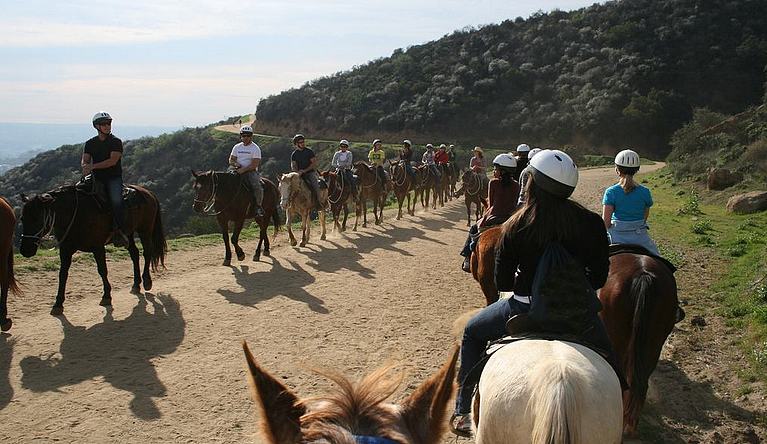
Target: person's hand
87,169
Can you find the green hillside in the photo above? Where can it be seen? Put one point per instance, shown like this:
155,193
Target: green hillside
623,73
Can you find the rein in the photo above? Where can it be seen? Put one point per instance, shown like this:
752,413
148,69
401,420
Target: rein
49,221
479,186
375,181
210,203
404,174
340,189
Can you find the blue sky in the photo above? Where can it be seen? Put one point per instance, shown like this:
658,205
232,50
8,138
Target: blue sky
193,62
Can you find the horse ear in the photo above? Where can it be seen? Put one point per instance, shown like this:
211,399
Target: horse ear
425,410
194,173
23,197
47,198
280,409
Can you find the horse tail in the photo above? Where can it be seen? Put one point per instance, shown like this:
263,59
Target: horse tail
6,275
158,245
642,287
555,404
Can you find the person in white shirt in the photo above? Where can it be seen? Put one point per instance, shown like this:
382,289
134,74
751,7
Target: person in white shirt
428,160
343,160
244,160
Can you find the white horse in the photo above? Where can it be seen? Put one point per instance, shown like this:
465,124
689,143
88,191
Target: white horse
547,392
296,198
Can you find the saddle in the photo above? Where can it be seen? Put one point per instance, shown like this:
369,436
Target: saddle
638,249
89,186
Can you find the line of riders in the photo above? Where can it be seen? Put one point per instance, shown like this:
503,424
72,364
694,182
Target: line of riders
543,231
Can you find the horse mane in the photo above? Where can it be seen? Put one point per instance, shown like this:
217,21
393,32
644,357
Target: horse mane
353,408
361,163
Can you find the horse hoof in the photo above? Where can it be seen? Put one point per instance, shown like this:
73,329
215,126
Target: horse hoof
135,289
227,262
322,237
106,302
6,325
57,310
241,256
293,243
256,258
302,244
147,285
267,253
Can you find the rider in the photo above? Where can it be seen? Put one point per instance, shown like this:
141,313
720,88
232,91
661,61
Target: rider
406,156
244,160
377,157
547,218
478,165
523,150
524,174
626,205
441,157
303,161
343,162
102,156
428,160
503,193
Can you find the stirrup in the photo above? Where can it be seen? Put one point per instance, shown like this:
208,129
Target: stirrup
456,431
466,264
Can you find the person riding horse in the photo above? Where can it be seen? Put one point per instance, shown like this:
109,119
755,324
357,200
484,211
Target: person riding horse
547,221
626,205
377,157
304,162
523,175
428,160
102,157
523,159
343,163
406,156
503,193
477,164
244,160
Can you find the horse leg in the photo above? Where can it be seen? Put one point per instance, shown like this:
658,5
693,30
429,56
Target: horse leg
288,222
65,257
267,244
261,235
305,224
236,239
134,257
101,264
5,322
346,216
468,212
322,224
223,225
400,200
364,213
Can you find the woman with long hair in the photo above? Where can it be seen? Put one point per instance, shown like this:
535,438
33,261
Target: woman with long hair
548,219
626,205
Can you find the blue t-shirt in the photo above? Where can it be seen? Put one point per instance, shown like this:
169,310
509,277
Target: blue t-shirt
627,206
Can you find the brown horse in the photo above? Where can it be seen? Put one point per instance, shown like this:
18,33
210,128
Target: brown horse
428,184
483,262
371,187
403,184
79,223
225,195
474,192
339,197
7,280
445,184
296,198
640,306
354,413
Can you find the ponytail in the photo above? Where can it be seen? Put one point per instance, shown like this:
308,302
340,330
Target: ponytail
627,178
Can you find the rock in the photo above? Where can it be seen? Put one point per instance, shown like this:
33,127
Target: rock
721,178
698,321
748,203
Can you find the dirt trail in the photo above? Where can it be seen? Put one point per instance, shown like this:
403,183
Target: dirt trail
167,365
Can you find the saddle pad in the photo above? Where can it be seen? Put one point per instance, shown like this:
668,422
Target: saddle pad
638,249
547,336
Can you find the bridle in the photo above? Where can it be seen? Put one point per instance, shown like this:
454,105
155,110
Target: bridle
49,221
479,185
339,177
210,203
399,166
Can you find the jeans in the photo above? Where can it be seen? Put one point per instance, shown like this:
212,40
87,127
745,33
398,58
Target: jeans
312,180
632,232
254,178
487,325
471,241
114,186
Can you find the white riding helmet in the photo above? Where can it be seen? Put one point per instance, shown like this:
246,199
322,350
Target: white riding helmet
555,172
533,152
428,145
505,160
344,142
407,142
523,148
246,129
628,159
101,117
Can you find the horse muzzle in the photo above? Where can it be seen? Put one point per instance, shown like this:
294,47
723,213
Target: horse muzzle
28,247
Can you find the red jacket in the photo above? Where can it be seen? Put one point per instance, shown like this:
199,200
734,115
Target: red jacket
441,157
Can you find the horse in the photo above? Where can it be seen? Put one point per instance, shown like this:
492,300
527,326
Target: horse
428,183
454,173
547,391
225,195
371,187
353,413
475,192
402,183
296,198
7,280
339,195
483,262
79,223
447,178
639,311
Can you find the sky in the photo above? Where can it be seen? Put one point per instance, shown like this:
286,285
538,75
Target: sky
194,62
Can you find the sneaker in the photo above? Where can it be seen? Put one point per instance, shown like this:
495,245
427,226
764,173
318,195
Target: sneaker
466,265
461,425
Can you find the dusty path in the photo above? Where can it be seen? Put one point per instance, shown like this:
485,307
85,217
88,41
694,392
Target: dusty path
167,365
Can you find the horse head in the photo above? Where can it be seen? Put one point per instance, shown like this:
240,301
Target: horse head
288,183
37,218
355,412
204,190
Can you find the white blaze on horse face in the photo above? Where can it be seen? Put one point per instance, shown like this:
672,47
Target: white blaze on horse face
284,191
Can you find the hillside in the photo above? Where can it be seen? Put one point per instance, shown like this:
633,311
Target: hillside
621,73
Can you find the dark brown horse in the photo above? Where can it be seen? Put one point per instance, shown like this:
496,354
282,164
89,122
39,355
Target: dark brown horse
445,184
225,195
7,280
483,262
428,184
640,306
371,187
353,413
402,183
80,223
474,192
339,197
